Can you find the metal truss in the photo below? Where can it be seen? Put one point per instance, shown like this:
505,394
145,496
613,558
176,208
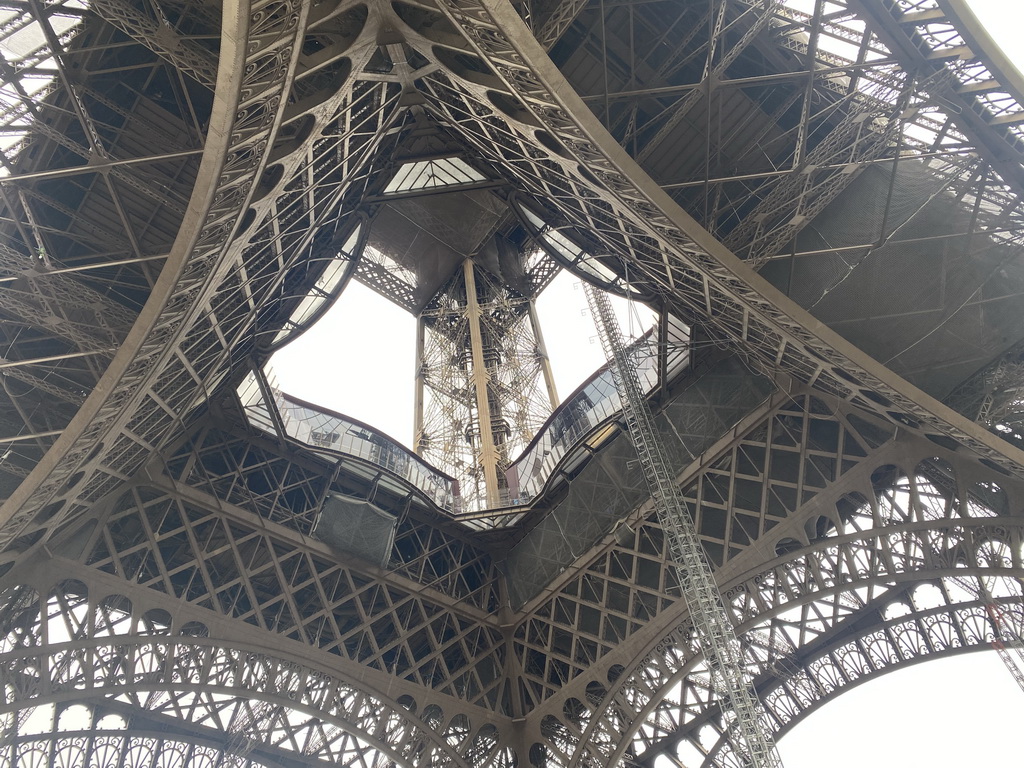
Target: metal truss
841,104
692,281
788,453
157,33
291,587
484,386
216,305
288,488
608,656
695,276
81,152
884,557
160,665
164,587
711,623
993,396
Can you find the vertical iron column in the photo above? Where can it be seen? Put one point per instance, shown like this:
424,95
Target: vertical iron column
480,378
710,619
542,352
420,384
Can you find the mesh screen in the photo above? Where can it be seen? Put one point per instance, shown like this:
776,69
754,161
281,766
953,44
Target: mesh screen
357,527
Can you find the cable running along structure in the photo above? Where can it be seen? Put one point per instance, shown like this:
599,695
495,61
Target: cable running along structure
197,564
716,637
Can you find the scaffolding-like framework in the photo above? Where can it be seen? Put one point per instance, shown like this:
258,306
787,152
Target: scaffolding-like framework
715,634
827,193
484,384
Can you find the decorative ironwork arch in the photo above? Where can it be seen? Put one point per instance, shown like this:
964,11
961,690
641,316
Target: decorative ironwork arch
68,648
279,120
920,536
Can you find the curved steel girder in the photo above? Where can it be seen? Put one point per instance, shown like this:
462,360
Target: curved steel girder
672,256
879,648
800,608
188,680
70,633
233,267
813,680
247,109
700,276
145,737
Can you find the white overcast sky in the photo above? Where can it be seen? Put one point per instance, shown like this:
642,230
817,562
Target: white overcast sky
947,713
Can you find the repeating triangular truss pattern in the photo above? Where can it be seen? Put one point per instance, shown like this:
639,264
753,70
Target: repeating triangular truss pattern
826,194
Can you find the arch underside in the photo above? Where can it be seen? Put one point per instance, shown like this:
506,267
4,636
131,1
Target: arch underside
892,578
166,601
841,602
68,651
199,693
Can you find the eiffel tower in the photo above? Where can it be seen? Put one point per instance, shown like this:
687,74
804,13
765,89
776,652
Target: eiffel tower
821,202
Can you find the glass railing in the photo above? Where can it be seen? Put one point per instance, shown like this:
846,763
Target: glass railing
325,431
590,406
595,403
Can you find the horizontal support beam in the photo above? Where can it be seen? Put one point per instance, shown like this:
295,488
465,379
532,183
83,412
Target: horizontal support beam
789,171
92,266
440,190
956,52
53,358
919,17
32,436
1011,118
741,82
98,167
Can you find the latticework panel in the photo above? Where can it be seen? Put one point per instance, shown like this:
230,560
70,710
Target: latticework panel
141,669
874,580
289,587
798,450
288,486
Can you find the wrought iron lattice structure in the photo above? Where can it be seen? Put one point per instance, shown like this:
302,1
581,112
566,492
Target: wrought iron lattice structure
826,193
484,385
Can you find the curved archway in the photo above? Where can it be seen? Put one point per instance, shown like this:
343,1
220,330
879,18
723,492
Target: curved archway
818,619
81,734
66,648
892,718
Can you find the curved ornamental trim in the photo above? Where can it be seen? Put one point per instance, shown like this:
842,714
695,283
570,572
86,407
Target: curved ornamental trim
69,647
78,735
872,570
341,266
563,249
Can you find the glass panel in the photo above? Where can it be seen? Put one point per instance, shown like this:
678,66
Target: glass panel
431,174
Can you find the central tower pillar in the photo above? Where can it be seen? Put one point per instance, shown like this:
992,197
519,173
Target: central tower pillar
488,455
483,383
